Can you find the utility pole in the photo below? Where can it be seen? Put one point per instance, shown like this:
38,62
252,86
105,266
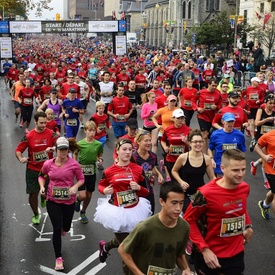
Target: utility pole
236,23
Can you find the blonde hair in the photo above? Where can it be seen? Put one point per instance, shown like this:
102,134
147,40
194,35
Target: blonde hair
48,110
140,134
99,104
90,125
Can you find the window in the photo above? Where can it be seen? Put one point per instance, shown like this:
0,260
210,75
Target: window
245,16
262,7
217,5
212,5
189,10
184,10
272,6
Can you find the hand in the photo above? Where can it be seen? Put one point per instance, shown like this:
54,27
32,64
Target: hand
24,160
184,185
50,149
109,190
187,271
160,179
75,110
42,190
159,127
200,110
98,130
134,186
214,107
166,149
126,116
268,158
72,190
67,115
210,258
247,235
184,139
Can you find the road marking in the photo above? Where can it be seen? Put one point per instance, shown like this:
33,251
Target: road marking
78,268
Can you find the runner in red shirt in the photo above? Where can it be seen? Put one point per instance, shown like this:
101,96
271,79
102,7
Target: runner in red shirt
120,109
40,143
123,78
207,75
208,103
141,81
67,86
187,98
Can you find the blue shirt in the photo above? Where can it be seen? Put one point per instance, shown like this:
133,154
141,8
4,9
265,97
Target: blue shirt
221,141
68,105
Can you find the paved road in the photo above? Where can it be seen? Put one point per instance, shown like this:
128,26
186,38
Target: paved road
27,249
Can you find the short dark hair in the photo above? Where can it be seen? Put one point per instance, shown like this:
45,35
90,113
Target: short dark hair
38,115
167,187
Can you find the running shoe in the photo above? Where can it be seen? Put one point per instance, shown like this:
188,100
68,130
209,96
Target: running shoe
36,219
103,254
264,210
99,165
252,145
83,217
161,165
77,206
253,168
188,249
267,185
59,264
21,125
42,202
82,126
247,132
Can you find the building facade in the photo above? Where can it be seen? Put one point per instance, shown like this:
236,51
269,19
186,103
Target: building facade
86,9
168,20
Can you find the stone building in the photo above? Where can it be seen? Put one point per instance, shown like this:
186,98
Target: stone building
168,20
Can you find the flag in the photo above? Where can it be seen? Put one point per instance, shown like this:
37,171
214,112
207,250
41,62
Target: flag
138,3
123,16
266,18
114,15
258,16
101,3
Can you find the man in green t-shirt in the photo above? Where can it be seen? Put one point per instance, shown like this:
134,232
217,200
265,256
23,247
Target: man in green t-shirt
89,154
157,245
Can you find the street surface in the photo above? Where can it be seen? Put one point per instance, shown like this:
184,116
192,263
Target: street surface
27,249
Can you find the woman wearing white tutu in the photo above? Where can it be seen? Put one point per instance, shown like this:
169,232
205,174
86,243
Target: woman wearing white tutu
125,184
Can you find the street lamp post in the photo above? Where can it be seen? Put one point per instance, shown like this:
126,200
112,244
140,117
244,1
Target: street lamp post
157,24
236,23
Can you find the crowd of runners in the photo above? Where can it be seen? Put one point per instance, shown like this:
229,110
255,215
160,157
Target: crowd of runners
58,77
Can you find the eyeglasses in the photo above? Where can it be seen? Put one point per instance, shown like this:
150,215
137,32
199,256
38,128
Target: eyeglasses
173,100
181,117
196,141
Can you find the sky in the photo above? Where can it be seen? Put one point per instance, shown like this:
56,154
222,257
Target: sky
57,6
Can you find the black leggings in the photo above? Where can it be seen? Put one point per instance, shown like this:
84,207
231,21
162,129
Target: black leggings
61,216
26,113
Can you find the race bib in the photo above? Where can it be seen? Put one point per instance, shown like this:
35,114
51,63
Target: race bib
27,101
47,96
127,198
72,122
266,129
232,226
55,116
229,146
254,97
88,170
101,126
176,150
121,118
207,106
187,103
155,270
60,193
140,85
40,156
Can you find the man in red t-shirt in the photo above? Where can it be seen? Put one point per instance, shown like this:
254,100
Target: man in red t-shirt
209,102
67,86
120,109
220,206
123,78
40,143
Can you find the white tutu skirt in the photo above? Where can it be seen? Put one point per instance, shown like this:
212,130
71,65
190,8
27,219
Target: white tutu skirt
120,219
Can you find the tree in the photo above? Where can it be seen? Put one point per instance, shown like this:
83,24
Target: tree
24,6
265,33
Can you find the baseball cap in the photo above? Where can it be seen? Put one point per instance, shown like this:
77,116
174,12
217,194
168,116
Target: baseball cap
53,91
132,123
233,94
178,113
171,97
72,90
226,76
62,143
79,64
29,69
228,117
255,79
69,71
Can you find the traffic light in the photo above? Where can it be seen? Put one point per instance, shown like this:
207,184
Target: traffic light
57,16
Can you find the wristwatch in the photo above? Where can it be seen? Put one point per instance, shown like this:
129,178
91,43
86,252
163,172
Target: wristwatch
249,226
